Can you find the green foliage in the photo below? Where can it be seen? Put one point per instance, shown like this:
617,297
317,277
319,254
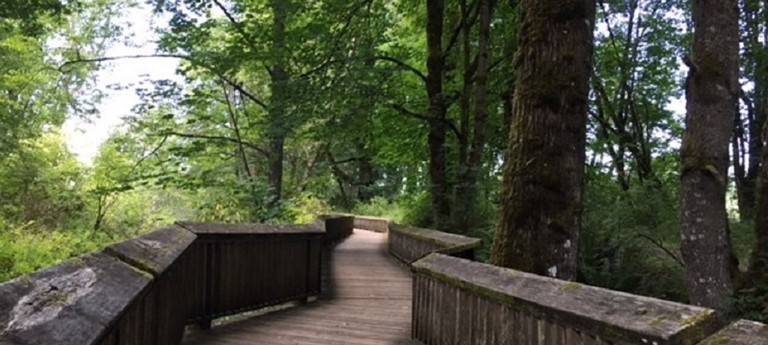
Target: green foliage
629,239
23,249
41,182
381,207
306,208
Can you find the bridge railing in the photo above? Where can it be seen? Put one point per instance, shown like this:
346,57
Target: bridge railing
459,301
409,244
147,289
336,226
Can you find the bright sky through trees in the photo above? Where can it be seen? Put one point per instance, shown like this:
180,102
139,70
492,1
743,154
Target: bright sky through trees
84,136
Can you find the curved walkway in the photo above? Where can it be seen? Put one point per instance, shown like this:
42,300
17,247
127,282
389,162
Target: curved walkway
366,300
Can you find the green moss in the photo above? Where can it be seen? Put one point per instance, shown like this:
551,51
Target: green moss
144,273
79,262
717,339
658,320
571,287
695,319
58,297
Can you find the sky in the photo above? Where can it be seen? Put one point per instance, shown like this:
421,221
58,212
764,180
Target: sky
83,136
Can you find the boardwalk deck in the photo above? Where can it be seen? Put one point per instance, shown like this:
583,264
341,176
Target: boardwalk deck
366,300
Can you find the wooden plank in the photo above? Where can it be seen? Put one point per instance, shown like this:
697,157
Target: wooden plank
366,300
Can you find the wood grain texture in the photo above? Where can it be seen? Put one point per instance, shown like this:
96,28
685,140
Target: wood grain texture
366,300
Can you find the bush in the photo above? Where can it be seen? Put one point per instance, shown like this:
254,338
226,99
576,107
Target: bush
24,249
630,240
306,208
380,207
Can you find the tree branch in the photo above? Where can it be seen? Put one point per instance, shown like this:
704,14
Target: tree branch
236,24
661,246
403,65
409,113
218,138
238,86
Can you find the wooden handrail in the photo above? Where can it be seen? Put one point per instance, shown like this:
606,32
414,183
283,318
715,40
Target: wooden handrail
147,289
409,244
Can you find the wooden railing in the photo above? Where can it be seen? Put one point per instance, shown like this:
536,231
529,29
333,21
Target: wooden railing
147,289
459,301
375,224
247,267
336,227
409,244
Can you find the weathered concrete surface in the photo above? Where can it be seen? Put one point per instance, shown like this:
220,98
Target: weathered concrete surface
70,303
610,315
246,229
372,223
409,244
156,251
742,332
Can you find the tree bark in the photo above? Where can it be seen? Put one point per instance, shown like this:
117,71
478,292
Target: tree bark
276,128
711,90
544,172
441,190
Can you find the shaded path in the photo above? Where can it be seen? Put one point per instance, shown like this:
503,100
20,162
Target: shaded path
366,300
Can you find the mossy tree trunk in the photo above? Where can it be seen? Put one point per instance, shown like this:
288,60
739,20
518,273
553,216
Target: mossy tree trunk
438,163
544,171
711,90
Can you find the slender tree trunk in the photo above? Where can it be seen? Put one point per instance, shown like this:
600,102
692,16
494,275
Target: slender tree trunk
276,129
467,186
756,71
441,190
544,173
711,90
365,172
757,275
466,92
758,264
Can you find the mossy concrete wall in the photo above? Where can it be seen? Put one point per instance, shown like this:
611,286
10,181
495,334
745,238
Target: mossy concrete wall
522,308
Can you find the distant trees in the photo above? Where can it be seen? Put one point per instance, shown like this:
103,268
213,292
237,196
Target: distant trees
540,219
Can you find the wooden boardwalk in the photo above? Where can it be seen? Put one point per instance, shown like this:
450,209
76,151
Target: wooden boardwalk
366,300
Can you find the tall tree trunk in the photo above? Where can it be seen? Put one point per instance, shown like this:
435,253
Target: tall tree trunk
465,105
757,71
544,173
757,275
441,190
467,186
711,90
758,264
276,129
365,172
